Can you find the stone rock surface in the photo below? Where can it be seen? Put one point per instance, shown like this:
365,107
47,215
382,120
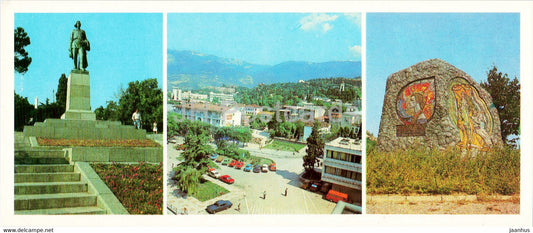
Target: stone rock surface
432,104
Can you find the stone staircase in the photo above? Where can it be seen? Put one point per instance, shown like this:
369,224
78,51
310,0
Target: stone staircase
45,183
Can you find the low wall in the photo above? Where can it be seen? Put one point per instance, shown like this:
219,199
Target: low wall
116,154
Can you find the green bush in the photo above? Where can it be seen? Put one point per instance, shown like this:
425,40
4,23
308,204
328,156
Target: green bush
443,172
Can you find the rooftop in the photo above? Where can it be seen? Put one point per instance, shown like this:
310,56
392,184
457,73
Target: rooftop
346,143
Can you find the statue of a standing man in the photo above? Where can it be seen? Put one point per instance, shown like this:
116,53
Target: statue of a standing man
78,47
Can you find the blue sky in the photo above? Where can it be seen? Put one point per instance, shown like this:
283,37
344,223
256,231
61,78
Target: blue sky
124,48
471,42
268,38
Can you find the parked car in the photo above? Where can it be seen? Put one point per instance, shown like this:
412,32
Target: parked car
272,167
232,163
226,161
219,206
336,196
257,168
227,179
213,156
239,165
213,173
264,168
219,159
315,186
248,168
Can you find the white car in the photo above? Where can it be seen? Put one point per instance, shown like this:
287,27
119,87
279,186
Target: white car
264,168
213,173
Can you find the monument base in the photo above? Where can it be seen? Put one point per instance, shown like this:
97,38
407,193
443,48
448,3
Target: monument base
83,129
78,115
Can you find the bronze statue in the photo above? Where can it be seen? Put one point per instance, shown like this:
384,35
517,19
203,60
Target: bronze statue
78,47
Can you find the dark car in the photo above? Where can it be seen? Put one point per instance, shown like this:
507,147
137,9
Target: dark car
315,186
257,168
218,206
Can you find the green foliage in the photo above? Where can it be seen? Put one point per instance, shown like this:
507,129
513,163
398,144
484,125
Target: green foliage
286,129
443,172
257,123
370,145
294,93
237,134
109,113
233,151
285,146
139,187
195,157
22,60
47,110
61,94
23,112
315,148
505,95
143,95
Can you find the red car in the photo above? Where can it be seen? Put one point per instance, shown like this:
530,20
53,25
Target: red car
272,167
239,165
233,163
227,179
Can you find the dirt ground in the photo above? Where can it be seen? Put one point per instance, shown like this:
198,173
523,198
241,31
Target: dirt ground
442,204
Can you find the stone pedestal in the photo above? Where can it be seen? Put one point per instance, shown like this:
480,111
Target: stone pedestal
78,97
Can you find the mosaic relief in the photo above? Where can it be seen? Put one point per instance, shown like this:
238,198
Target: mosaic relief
469,113
416,102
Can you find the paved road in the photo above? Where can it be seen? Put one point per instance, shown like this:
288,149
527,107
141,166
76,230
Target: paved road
249,187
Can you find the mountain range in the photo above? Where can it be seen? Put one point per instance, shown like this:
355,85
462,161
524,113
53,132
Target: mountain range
193,70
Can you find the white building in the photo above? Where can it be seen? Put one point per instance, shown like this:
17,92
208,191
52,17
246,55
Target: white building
220,96
342,167
178,94
210,113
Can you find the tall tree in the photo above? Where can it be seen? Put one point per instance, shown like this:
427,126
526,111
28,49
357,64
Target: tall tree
22,59
61,95
315,148
505,95
145,96
194,157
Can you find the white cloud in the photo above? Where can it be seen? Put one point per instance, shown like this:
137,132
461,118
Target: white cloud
326,27
354,18
356,50
317,21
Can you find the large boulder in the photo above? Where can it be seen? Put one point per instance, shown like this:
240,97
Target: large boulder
433,104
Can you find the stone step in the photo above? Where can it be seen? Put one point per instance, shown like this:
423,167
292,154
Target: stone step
48,168
39,160
58,200
50,187
62,211
43,153
47,177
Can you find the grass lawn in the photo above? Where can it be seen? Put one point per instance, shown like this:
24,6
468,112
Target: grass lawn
209,190
286,146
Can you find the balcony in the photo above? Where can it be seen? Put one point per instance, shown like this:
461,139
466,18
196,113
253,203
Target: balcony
343,164
341,181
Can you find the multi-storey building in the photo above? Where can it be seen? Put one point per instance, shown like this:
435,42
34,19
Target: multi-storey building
220,96
342,167
210,113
